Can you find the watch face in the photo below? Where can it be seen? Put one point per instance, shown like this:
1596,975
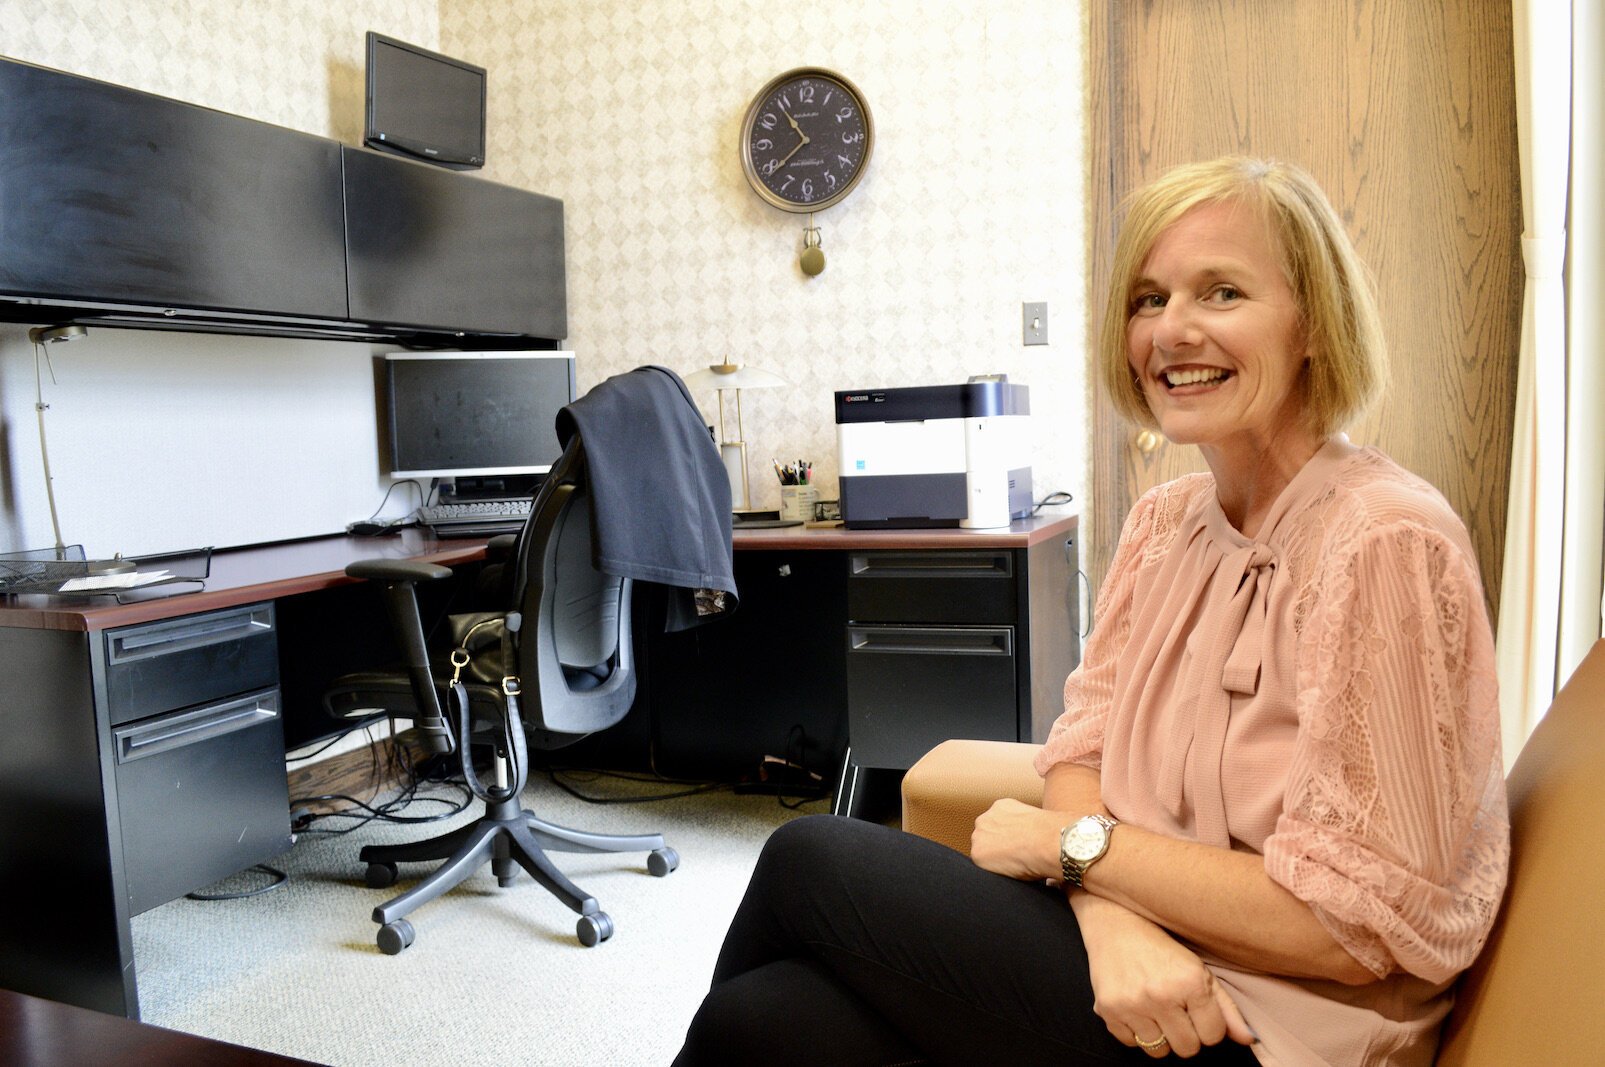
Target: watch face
806,139
1085,840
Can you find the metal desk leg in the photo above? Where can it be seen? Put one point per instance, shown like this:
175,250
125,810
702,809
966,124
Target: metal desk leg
849,785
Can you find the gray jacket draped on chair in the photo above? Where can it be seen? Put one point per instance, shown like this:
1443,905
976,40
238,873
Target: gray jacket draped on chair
645,443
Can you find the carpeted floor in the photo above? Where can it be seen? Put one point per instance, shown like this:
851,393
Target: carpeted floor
495,976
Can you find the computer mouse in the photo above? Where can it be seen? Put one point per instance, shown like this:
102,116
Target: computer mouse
366,528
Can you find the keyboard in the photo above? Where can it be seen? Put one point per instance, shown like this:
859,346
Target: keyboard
475,518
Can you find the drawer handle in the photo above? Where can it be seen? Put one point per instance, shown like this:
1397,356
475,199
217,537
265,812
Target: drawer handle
931,565
933,640
190,633
193,727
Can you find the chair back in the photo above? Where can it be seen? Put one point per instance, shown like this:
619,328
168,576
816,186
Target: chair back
1533,995
572,633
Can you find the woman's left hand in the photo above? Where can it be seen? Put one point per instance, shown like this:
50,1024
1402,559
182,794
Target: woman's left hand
1150,990
1018,840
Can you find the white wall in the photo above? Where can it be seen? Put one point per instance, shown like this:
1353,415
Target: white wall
628,110
169,440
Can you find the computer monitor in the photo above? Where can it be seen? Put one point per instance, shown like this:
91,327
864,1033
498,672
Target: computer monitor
424,105
469,414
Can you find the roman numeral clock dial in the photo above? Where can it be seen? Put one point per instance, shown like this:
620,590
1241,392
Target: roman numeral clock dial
805,142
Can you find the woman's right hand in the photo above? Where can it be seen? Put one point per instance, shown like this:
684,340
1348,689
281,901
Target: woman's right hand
1147,985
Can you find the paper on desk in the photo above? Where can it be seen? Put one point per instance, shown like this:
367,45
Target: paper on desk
130,580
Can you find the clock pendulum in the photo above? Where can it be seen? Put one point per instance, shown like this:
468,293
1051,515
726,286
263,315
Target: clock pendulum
812,259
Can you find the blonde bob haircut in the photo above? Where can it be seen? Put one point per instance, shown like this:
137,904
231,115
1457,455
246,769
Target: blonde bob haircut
1346,357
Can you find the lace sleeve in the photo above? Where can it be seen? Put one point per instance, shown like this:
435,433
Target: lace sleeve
1394,827
1077,734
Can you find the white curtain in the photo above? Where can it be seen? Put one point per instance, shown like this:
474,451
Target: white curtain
1581,607
1530,592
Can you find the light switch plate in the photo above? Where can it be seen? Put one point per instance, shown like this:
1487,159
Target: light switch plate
1034,323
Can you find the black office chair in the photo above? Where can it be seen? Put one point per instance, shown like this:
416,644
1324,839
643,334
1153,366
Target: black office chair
552,666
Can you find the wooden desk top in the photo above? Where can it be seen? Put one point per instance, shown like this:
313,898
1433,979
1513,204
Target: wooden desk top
1020,534
267,572
239,576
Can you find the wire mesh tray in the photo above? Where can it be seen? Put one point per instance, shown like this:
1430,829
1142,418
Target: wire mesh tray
66,570
42,570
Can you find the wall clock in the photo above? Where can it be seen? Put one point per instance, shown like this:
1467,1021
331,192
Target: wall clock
806,140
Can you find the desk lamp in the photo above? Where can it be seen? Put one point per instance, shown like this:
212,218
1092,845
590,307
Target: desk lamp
42,336
730,377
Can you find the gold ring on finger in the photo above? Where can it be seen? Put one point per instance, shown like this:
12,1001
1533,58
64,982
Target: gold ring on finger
1150,1045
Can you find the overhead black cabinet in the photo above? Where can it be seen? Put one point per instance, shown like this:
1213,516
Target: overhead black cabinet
115,196
433,248
124,208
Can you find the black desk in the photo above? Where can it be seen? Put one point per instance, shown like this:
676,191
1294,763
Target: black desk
143,754
880,643
875,645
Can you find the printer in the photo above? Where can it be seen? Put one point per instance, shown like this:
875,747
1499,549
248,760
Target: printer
935,455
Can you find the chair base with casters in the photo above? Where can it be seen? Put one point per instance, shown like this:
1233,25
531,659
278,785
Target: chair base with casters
504,836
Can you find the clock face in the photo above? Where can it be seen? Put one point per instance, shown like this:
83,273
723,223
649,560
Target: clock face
806,139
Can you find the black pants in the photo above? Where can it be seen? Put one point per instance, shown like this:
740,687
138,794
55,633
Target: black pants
859,944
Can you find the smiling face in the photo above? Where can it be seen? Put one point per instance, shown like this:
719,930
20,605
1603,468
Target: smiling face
1215,334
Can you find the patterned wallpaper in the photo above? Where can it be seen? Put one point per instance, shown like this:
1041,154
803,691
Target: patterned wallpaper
628,110
296,63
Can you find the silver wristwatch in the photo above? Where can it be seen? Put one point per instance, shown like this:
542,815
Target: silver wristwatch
1083,843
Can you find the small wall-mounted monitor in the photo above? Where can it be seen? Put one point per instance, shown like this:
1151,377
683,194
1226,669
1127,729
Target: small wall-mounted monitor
470,414
424,105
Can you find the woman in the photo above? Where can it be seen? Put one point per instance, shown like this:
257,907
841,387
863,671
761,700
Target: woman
1274,799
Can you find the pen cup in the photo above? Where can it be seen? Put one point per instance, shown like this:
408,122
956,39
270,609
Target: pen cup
797,502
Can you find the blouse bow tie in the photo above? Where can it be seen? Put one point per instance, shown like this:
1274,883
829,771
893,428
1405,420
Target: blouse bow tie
1233,652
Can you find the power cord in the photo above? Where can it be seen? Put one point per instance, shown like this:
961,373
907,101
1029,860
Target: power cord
1054,499
363,812
417,488
278,876
791,771
373,526
556,776
697,787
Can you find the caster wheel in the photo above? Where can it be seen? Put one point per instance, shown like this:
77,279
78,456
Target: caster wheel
660,862
393,937
381,875
594,929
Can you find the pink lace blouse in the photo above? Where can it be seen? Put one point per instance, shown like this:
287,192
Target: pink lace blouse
1322,695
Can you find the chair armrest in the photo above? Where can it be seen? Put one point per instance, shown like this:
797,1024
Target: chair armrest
501,547
396,570
400,578
953,783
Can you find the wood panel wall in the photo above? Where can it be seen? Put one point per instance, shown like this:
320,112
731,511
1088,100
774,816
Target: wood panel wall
1404,111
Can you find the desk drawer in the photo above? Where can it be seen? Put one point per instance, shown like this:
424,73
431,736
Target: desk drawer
964,587
201,793
159,666
912,687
